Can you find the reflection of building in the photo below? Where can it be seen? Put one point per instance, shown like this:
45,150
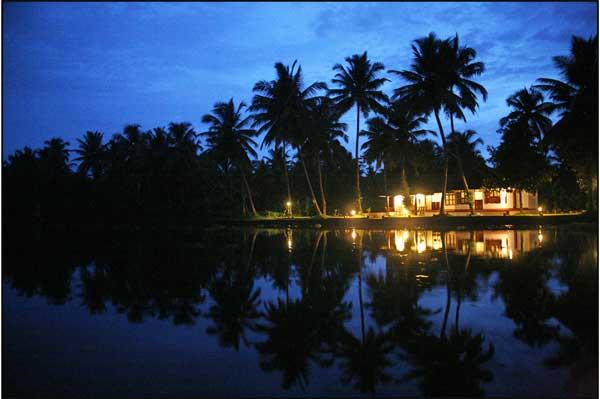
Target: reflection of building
484,200
488,243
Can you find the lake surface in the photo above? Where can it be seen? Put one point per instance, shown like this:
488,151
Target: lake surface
303,312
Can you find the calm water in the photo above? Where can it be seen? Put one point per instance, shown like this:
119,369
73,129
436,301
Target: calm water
301,312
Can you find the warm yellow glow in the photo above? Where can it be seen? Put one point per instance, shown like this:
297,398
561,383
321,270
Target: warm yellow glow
398,203
422,276
540,238
421,245
353,234
400,238
539,208
510,254
436,242
352,212
479,248
288,204
289,244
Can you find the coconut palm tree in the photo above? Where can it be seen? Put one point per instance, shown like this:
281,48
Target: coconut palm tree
389,140
277,106
439,80
463,146
358,85
529,112
230,139
55,156
182,138
324,129
91,154
574,137
528,122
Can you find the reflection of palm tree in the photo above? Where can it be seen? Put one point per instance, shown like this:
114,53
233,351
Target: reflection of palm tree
448,288
459,284
364,361
235,303
450,367
292,341
528,300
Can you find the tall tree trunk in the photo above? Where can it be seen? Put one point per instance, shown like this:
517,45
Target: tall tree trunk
462,171
448,290
405,188
243,194
310,187
321,187
459,287
287,181
445,152
521,201
465,184
249,193
358,194
360,298
385,187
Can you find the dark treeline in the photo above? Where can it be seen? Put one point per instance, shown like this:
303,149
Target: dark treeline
182,174
213,276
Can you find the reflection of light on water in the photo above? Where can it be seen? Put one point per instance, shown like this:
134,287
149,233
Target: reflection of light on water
422,276
504,251
289,244
353,234
400,238
436,242
510,254
540,237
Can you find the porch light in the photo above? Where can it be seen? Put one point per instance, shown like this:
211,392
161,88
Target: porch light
353,212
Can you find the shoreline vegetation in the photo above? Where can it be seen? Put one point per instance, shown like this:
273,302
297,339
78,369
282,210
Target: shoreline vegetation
179,176
436,222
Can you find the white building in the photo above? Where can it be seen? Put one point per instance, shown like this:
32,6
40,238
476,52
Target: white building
492,200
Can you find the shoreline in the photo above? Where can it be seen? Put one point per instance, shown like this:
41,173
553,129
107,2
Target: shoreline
486,222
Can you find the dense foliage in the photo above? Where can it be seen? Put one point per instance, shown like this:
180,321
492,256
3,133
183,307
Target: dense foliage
177,174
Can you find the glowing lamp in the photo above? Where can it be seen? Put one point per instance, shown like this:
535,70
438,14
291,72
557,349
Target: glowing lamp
288,204
353,212
539,208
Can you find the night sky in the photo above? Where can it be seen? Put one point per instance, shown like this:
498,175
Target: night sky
74,67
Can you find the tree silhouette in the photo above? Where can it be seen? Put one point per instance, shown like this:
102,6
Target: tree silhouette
358,85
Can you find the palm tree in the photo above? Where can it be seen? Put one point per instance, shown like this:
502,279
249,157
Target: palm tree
463,146
324,129
182,138
574,137
91,154
529,119
277,108
389,140
462,69
529,112
230,139
358,85
439,68
55,156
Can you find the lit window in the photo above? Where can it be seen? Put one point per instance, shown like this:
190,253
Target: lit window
492,196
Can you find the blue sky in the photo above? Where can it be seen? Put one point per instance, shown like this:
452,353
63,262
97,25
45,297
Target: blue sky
72,67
